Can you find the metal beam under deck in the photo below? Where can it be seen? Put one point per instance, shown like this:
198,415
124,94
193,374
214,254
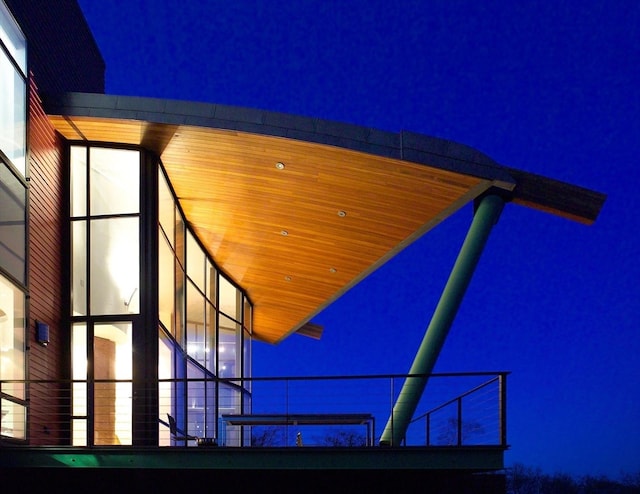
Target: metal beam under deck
469,459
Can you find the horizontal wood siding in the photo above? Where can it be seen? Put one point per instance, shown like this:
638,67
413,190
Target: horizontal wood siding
45,268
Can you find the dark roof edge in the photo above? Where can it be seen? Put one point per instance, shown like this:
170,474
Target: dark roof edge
547,194
535,191
408,146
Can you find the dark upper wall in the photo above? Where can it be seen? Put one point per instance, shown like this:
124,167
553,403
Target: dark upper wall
62,52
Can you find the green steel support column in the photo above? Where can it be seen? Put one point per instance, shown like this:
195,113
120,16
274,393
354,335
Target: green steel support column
486,215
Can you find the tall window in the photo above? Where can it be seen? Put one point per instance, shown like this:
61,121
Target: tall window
13,195
105,207
205,332
105,273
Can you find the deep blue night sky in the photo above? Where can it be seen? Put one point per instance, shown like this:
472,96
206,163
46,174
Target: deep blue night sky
546,87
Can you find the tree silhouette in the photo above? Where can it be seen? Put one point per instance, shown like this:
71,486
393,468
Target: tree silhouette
344,439
267,437
526,480
449,436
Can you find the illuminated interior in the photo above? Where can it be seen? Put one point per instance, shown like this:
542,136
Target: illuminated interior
203,318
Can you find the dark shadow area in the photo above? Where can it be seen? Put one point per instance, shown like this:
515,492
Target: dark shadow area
307,481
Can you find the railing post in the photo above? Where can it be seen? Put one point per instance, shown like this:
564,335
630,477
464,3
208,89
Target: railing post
428,425
286,406
391,397
503,409
459,422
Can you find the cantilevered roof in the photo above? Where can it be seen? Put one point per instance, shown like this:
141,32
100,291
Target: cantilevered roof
298,210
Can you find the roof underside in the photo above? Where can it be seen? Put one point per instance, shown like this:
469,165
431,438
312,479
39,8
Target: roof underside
347,199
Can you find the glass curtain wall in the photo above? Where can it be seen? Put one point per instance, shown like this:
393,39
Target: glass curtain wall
204,319
13,197
205,335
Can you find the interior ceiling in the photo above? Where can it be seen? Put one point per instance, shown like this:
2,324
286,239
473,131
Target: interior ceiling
294,237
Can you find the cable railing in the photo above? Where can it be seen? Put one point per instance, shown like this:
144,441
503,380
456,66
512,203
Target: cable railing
467,419
455,410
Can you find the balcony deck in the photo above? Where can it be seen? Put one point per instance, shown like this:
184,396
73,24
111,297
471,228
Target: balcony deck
458,435
469,458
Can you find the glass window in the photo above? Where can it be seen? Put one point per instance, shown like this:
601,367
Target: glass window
166,284
229,298
13,38
112,365
210,337
196,343
79,432
114,266
210,410
79,363
13,114
180,309
13,91
246,316
79,268
110,249
228,331
180,240
114,178
229,402
246,343
166,208
78,156
180,276
12,338
179,394
211,281
14,417
246,356
195,261
13,197
165,385
196,401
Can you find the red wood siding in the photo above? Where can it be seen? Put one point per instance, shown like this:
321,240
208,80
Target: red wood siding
45,268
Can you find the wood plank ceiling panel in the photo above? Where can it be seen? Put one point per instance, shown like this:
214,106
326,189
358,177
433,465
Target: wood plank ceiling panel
295,238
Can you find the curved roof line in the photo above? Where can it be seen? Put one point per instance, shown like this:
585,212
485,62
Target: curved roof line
571,201
274,229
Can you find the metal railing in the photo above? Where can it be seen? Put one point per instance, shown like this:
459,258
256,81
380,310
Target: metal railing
456,410
462,420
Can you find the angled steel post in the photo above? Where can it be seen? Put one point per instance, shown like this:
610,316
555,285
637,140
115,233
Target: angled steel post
486,215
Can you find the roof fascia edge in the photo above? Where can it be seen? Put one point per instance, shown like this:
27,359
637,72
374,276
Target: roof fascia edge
407,146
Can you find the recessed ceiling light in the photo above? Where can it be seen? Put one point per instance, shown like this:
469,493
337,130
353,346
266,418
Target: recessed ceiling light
284,233
280,165
332,270
287,278
342,213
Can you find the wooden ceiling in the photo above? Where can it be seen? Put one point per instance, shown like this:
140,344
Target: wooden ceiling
294,237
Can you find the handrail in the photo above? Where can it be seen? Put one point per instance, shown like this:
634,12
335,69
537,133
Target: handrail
459,397
199,403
